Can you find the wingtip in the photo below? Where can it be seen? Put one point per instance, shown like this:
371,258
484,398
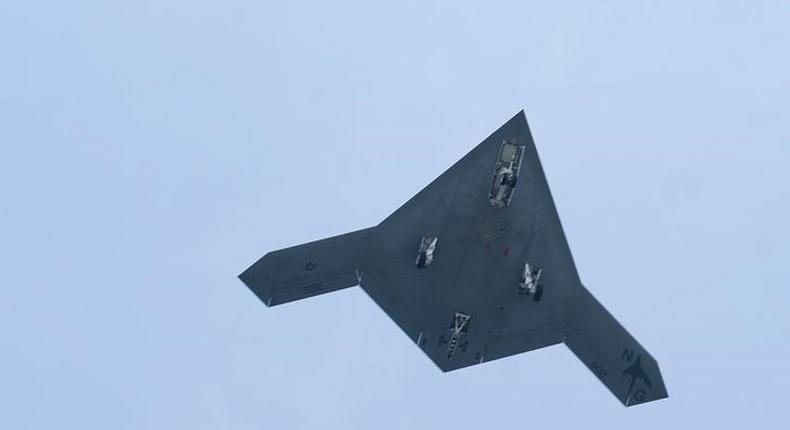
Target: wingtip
257,284
657,389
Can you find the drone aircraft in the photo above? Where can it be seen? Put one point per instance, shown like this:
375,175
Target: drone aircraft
473,268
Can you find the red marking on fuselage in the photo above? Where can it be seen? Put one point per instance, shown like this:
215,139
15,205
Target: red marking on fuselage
506,251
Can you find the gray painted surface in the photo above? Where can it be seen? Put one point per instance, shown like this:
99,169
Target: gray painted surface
478,261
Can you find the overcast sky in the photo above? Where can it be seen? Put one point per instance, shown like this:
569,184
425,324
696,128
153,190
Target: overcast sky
150,151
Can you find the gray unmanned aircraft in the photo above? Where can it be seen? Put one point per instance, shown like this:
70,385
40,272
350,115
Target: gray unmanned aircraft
473,268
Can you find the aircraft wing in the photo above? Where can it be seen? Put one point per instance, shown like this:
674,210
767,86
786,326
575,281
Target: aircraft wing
309,269
612,354
473,268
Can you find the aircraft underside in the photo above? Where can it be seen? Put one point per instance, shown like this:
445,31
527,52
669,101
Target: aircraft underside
473,268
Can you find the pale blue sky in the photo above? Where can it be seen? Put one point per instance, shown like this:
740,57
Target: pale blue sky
147,157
